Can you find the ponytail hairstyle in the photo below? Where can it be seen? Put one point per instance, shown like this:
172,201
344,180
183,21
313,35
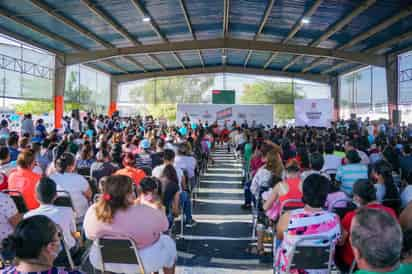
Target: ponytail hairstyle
26,159
86,152
169,174
392,196
115,197
273,161
29,238
65,161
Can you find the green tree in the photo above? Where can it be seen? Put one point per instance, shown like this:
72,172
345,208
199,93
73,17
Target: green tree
161,96
72,94
281,95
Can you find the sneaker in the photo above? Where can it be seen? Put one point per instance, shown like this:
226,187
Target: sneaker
192,223
246,206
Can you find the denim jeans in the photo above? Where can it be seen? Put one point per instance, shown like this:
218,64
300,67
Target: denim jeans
248,194
186,205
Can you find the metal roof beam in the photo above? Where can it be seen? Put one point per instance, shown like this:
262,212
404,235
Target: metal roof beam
222,69
365,35
187,18
335,28
68,22
298,25
29,41
144,13
179,60
106,18
88,56
226,15
201,58
155,60
189,26
374,50
51,35
265,18
249,54
262,24
117,27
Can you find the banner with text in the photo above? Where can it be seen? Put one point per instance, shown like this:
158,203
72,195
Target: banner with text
313,112
261,114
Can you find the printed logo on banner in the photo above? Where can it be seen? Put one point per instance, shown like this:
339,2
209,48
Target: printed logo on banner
313,112
206,115
313,105
225,113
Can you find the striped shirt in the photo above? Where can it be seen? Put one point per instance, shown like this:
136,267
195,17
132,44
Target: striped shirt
349,174
53,270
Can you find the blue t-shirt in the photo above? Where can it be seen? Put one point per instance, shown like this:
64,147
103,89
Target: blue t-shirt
53,270
183,131
14,153
349,174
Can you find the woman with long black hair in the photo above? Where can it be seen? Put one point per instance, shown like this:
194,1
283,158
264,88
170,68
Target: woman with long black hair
387,192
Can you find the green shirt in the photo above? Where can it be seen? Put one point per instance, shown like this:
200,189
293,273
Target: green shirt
247,154
403,269
339,153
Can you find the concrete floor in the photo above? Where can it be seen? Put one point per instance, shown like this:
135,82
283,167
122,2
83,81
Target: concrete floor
220,241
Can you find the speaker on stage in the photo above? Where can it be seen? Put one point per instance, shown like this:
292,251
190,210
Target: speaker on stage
76,113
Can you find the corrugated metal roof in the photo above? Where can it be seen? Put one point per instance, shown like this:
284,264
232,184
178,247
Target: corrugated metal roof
206,17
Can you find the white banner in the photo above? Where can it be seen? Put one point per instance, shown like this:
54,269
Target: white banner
261,114
313,112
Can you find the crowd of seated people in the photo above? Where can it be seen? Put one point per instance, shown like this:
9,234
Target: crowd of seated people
362,165
132,177
103,167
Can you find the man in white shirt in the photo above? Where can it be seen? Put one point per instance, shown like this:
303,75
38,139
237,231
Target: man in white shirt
75,124
184,161
332,161
63,217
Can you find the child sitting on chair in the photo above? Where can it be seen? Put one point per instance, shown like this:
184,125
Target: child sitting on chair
289,188
149,194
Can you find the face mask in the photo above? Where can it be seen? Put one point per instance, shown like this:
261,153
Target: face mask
54,254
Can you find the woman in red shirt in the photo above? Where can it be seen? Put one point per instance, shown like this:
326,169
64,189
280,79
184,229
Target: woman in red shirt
24,180
364,195
129,169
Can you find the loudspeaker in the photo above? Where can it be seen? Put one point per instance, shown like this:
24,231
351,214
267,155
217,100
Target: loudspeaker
396,116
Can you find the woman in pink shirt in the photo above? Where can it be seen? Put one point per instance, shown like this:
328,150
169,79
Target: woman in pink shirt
116,215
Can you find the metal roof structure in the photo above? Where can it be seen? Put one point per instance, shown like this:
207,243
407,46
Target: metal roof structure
137,39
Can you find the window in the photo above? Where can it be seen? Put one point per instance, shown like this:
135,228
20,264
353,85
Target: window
364,93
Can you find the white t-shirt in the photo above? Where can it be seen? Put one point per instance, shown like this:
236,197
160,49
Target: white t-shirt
332,162
157,172
364,157
75,125
7,210
260,179
76,185
406,196
187,163
61,216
